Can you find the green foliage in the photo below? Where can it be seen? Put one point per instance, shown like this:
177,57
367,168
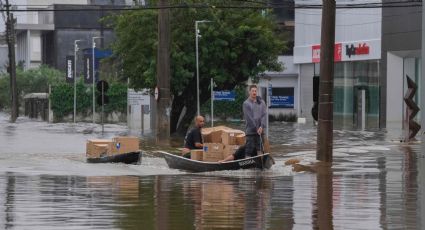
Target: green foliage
117,94
236,45
227,109
287,117
29,81
62,98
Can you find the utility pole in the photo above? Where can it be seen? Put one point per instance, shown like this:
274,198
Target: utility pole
325,119
163,75
10,37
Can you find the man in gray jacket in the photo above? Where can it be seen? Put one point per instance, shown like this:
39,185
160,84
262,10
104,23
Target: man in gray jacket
254,111
255,115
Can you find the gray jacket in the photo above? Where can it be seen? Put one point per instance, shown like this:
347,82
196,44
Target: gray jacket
255,115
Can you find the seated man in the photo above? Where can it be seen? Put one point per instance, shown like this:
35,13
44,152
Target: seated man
193,139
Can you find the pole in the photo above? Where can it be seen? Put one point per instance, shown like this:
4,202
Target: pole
94,106
268,106
197,35
94,75
143,119
212,102
325,121
103,103
10,30
75,78
163,75
197,68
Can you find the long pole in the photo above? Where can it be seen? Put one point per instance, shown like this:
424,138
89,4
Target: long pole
212,102
10,30
75,78
325,121
93,76
197,35
163,75
197,68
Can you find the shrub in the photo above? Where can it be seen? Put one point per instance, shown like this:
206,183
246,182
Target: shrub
287,117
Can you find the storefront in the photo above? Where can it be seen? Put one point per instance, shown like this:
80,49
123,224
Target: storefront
357,65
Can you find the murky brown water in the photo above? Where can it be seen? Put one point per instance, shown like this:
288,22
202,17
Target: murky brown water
375,183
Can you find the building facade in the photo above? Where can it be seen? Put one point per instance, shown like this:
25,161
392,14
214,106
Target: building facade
47,36
357,81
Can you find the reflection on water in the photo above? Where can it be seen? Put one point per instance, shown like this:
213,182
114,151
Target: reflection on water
374,183
304,201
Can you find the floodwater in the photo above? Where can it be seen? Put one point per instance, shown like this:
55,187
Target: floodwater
375,182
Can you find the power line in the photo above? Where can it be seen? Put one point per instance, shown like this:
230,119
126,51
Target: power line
240,6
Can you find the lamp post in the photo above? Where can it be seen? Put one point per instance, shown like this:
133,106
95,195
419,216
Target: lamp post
93,75
75,76
197,35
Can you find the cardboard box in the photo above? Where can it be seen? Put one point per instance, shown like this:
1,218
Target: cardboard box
125,145
228,137
240,139
229,150
95,146
196,154
212,136
213,152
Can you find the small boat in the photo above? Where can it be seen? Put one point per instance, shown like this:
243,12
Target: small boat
127,158
264,161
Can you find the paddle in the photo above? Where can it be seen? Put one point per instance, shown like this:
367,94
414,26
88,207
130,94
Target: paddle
262,151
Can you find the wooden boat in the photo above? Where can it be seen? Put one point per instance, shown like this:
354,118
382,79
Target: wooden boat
264,161
127,158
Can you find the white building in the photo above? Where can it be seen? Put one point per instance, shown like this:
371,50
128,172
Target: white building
357,62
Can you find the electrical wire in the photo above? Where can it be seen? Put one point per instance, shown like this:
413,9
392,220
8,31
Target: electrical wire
263,5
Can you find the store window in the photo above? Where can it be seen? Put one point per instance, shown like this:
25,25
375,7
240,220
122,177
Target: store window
356,94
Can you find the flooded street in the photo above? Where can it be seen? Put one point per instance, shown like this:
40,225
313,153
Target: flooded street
376,182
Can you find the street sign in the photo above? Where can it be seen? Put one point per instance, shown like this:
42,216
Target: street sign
88,73
70,69
282,97
224,95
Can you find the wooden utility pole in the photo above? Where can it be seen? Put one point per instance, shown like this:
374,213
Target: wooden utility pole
327,45
10,37
163,76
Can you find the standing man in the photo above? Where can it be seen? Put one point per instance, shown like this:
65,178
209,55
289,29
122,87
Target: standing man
193,139
254,111
255,115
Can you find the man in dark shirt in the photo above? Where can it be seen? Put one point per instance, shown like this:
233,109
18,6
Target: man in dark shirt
193,139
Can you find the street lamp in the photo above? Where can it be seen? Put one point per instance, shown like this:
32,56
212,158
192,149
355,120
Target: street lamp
197,35
75,76
93,75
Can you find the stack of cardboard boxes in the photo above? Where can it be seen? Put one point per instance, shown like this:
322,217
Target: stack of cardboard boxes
219,142
96,148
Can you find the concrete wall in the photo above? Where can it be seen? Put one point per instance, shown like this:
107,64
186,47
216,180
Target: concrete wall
306,82
351,25
395,84
64,44
401,36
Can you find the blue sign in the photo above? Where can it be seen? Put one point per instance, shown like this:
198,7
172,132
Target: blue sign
224,95
282,102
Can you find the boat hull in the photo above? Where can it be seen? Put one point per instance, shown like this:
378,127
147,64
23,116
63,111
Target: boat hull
264,161
126,158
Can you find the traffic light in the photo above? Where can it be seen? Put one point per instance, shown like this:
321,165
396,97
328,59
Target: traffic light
102,87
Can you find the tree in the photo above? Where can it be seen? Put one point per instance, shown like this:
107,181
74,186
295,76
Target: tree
237,44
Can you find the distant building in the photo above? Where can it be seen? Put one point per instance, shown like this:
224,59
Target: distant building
47,37
283,86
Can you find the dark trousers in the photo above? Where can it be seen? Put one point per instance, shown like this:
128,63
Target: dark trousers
252,145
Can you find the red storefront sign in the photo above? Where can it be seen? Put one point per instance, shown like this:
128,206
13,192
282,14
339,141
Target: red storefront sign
315,53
